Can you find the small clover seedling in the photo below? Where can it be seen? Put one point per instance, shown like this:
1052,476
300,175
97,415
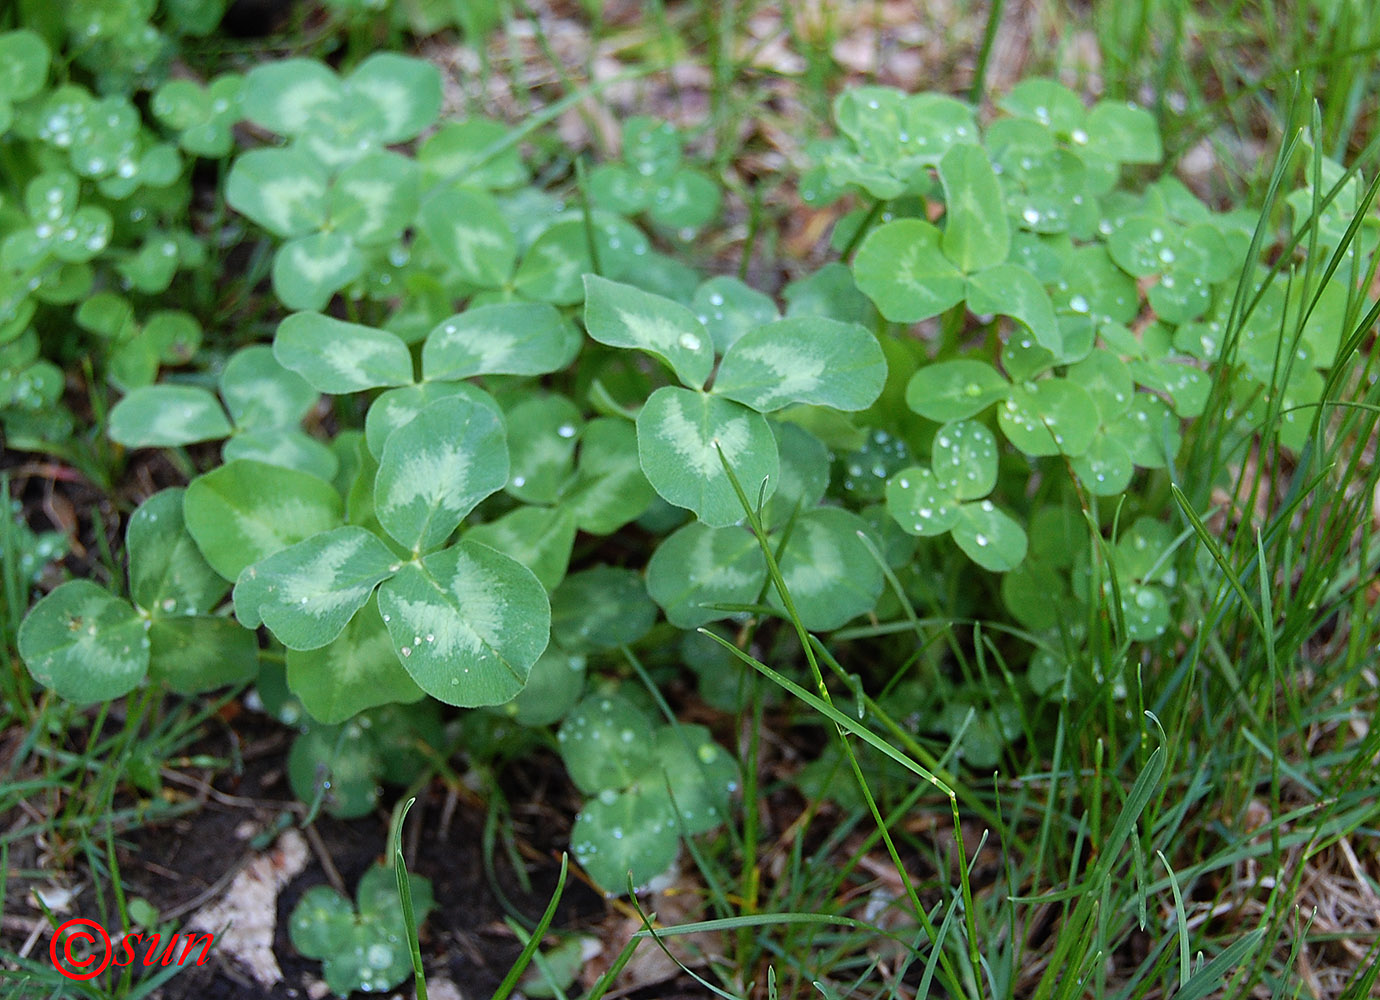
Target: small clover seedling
648,785
345,762
364,946
202,116
653,179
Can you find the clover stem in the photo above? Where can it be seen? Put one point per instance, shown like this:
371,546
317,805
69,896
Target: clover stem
950,327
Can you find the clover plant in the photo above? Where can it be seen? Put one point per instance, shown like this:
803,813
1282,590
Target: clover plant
89,645
653,179
648,786
1019,333
100,203
362,946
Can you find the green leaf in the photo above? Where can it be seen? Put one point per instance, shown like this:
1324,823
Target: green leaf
1144,245
405,92
177,334
610,488
965,459
357,671
919,503
1010,290
397,407
471,235
192,654
306,593
308,270
728,309
1149,431
283,190
990,537
1145,611
803,360
374,199
618,189
832,293
459,151
1124,133
167,574
84,643
245,511
322,923
1187,386
165,416
1181,296
804,475
700,774
623,316
901,268
699,566
605,742
290,449
24,57
1050,417
284,96
338,357
541,538
1106,379
1047,102
468,623
601,608
1094,286
341,763
955,390
542,431
687,201
437,468
508,338
107,315
554,686
261,394
1106,467
554,266
977,234
651,146
679,437
634,832
829,571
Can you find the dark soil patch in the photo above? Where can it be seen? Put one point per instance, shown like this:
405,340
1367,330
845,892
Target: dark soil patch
184,864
